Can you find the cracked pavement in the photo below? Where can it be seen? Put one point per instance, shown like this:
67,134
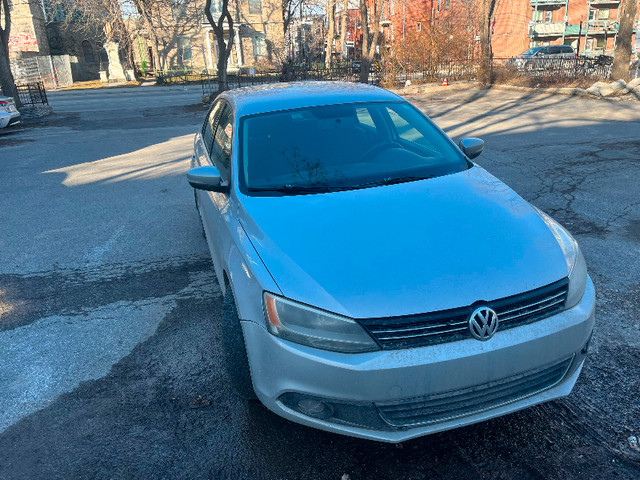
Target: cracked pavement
109,342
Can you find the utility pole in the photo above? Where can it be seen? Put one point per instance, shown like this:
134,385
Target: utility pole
579,37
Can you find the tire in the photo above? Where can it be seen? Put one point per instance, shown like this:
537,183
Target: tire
235,353
195,196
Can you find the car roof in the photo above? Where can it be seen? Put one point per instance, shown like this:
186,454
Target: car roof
285,96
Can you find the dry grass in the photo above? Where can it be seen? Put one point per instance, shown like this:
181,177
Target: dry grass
98,84
508,76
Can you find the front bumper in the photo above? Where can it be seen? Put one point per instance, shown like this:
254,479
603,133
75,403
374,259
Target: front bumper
444,374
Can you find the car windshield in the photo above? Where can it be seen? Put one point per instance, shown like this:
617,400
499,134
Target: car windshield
340,147
529,52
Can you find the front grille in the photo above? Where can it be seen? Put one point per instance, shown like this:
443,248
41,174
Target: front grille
419,330
459,403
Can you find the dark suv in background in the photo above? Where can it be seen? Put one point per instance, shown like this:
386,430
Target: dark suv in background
540,57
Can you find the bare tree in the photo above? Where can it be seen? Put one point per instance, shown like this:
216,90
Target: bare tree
101,19
624,42
289,8
485,26
370,35
331,19
224,48
6,77
145,11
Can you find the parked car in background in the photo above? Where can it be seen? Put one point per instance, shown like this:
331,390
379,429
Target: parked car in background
9,114
373,68
377,282
541,57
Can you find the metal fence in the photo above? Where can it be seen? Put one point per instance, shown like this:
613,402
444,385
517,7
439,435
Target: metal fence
249,77
398,74
288,74
560,68
32,94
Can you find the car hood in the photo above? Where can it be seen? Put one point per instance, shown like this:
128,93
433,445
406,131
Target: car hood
401,249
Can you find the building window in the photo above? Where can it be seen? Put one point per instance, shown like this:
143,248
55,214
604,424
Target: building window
537,15
102,53
216,7
59,14
419,26
593,14
447,4
600,44
259,46
255,7
179,8
184,49
603,14
548,16
589,44
87,51
438,5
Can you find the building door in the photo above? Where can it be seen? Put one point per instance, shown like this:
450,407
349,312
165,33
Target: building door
152,63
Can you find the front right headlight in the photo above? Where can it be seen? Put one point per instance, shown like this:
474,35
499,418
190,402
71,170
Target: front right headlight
311,326
575,261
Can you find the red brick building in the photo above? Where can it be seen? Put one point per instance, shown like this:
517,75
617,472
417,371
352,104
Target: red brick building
522,24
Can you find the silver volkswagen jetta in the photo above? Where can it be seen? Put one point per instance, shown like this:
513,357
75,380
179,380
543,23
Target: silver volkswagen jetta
377,282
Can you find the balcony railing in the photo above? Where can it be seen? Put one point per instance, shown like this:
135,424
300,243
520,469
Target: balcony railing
546,29
543,3
600,26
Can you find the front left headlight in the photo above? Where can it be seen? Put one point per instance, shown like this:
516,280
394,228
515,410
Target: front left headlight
576,264
316,328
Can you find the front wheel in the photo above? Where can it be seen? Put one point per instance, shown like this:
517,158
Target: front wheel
235,353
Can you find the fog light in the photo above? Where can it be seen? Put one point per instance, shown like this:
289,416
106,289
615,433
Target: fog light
360,414
314,408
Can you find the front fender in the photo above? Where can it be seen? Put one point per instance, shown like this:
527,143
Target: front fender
248,277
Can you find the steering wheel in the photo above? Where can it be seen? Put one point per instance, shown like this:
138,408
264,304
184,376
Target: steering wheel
377,149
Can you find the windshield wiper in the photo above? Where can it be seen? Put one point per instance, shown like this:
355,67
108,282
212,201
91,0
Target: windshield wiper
298,189
394,181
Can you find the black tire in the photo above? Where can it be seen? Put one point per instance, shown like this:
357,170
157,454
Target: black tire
195,196
235,353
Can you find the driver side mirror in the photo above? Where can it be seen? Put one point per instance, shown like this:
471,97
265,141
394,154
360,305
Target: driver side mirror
206,178
471,147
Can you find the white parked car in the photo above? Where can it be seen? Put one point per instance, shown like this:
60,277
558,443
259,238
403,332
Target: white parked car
378,283
9,114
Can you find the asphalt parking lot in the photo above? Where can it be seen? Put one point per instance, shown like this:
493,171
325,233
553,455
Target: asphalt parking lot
109,308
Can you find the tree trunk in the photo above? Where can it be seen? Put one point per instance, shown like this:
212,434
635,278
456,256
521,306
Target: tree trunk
369,39
343,28
625,40
7,82
224,49
331,15
221,61
6,77
484,72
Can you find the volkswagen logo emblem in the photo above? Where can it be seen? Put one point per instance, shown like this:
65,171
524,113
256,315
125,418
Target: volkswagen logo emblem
483,323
